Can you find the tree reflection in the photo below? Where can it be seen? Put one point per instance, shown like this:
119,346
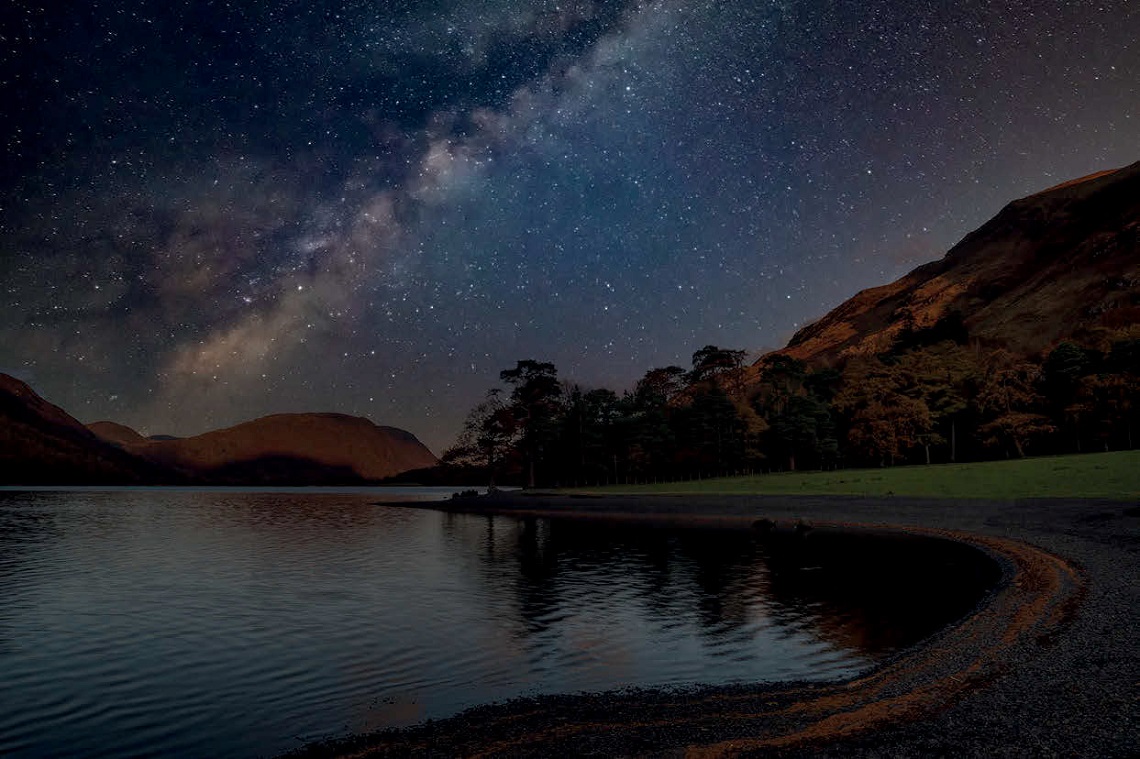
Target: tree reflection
871,594
875,592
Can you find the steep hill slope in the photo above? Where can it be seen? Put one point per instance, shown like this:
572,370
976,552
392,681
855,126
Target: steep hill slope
40,444
1049,266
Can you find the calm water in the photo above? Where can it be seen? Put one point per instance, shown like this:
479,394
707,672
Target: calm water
221,623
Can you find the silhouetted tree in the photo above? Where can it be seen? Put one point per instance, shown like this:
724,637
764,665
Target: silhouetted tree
711,433
658,387
719,366
535,397
1061,378
928,391
1122,396
802,428
589,424
781,378
486,436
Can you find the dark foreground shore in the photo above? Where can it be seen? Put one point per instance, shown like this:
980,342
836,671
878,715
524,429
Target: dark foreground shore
1048,665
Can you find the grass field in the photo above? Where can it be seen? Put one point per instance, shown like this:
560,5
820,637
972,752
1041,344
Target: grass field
1097,475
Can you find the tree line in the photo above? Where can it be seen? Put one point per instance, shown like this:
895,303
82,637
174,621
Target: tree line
935,396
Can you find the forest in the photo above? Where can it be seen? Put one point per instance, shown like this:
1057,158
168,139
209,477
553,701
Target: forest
935,396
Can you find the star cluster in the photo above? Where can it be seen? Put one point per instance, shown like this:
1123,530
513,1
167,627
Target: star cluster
216,210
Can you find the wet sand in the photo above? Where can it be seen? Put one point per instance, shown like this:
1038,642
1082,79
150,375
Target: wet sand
1048,664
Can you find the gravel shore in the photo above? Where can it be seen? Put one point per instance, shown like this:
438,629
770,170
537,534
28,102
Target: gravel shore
1049,665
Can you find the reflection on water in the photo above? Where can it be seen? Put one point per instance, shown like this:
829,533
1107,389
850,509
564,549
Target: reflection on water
237,624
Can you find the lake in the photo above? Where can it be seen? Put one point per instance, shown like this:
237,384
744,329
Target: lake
227,623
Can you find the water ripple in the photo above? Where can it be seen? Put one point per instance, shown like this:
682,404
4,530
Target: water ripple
142,623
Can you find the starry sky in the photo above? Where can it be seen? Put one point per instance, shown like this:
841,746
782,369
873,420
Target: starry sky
213,210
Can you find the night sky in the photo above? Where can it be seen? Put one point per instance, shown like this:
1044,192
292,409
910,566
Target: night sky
213,211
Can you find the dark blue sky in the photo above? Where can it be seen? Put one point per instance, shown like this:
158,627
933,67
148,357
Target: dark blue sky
212,211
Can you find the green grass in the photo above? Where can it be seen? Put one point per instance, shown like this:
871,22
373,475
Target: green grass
1099,475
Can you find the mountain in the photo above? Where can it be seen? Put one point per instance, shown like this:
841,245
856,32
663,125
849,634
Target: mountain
1056,264
118,434
284,449
40,444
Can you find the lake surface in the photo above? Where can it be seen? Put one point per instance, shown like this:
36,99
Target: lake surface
236,624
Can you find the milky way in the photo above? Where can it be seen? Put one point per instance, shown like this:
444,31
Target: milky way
213,211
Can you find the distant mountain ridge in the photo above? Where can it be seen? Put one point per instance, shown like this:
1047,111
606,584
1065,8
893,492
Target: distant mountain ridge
117,434
41,444
1049,266
284,448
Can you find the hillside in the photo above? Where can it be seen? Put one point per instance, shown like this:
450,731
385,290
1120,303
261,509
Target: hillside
1053,265
285,449
118,434
41,444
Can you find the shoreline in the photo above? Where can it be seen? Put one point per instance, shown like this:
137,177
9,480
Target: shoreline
1012,678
